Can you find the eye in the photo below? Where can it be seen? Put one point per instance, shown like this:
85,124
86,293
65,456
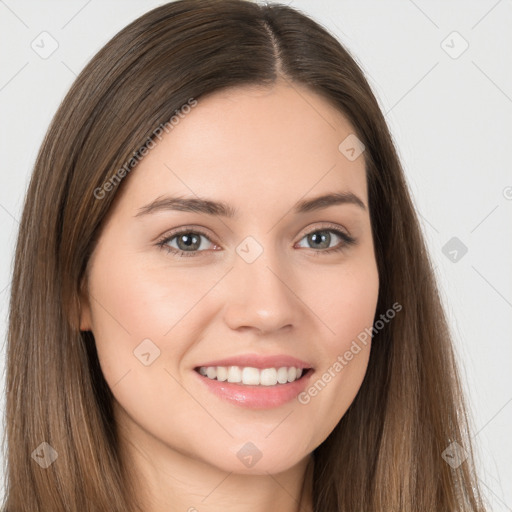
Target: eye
322,238
188,242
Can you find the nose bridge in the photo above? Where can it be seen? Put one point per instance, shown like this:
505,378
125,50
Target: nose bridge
261,295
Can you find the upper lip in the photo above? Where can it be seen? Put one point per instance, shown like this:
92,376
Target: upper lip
259,361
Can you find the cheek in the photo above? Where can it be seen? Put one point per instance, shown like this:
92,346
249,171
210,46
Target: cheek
143,324
145,321
345,301
132,302
347,308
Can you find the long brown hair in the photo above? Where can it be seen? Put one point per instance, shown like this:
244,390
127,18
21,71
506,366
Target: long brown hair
386,452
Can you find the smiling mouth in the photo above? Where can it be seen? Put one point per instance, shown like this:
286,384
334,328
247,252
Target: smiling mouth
250,376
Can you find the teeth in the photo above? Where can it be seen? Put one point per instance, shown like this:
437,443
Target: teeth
252,376
234,374
268,377
282,375
222,373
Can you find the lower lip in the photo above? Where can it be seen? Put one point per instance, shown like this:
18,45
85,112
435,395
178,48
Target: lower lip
256,397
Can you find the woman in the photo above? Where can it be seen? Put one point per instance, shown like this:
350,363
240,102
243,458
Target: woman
221,296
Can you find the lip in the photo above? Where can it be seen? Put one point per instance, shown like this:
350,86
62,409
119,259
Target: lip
256,397
259,361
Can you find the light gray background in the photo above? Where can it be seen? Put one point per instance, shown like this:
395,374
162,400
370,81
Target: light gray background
451,119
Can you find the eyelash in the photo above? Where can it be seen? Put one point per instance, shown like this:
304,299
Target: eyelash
162,242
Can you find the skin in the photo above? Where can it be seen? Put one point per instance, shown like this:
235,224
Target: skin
261,150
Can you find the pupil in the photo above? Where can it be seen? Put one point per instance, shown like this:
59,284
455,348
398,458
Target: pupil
189,240
319,238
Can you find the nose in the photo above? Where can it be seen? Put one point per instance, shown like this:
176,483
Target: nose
260,295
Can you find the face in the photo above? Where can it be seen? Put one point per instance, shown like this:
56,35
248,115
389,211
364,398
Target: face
173,293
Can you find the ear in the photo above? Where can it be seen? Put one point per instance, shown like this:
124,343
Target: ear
84,307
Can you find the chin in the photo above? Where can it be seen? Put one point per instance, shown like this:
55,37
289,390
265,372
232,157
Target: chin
259,458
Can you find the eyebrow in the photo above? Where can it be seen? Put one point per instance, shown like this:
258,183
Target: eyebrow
222,209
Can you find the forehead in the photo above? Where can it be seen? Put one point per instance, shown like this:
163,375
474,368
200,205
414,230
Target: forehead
251,146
